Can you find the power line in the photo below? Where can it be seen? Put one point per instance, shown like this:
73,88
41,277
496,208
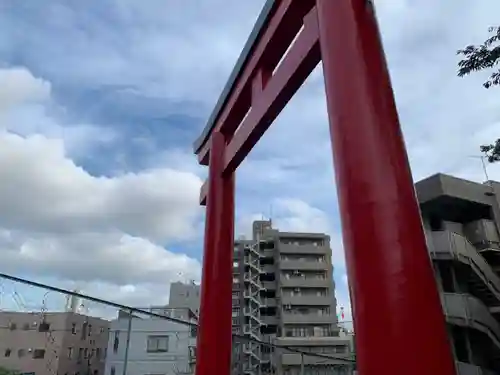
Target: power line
132,310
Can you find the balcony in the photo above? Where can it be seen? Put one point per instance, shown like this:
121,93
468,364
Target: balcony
468,369
304,282
307,300
269,319
303,249
312,344
268,302
445,245
295,359
323,341
465,310
311,318
269,285
305,265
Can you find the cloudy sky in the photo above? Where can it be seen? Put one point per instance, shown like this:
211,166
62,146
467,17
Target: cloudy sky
100,102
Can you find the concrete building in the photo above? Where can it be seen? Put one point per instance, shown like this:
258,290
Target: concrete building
283,293
186,295
462,224
152,345
57,343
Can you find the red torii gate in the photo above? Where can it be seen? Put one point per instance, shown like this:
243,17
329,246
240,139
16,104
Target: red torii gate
399,323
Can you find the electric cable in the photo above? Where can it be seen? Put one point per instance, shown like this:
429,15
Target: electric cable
176,320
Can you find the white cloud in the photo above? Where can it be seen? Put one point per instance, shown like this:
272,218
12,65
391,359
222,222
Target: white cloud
42,190
103,234
25,106
18,86
444,118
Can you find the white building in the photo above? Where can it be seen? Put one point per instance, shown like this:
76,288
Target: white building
155,345
185,295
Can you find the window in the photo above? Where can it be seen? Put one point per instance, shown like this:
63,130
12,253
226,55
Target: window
157,344
194,331
44,327
7,352
98,353
102,329
84,330
38,353
116,341
340,349
21,353
113,371
80,354
73,328
90,329
86,353
70,353
12,326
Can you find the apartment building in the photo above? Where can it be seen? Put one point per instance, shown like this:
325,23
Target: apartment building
50,343
462,224
284,293
140,345
185,295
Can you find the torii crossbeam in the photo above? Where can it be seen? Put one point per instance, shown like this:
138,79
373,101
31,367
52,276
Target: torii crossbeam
399,324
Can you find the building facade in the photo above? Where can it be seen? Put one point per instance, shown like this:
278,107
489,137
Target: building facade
283,293
462,225
57,343
185,295
145,345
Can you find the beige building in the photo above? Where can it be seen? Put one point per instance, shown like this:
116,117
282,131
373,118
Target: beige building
59,343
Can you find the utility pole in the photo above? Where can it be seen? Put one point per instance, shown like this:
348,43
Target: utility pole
127,345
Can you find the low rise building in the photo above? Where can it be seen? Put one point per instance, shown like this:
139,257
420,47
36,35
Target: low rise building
462,224
53,343
140,345
185,295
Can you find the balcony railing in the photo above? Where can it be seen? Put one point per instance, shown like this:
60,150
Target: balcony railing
446,244
310,318
324,300
468,369
469,311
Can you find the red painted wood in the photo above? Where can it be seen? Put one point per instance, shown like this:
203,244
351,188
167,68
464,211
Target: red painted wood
394,292
214,336
203,193
296,66
223,281
272,45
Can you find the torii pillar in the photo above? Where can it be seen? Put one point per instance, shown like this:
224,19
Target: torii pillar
394,294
